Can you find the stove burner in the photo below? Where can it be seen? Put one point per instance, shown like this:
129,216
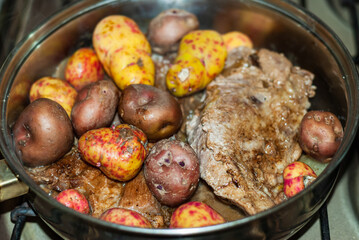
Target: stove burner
347,10
340,8
324,222
18,216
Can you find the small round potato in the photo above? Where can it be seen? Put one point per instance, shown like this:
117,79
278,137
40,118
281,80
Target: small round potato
42,133
126,217
166,29
95,106
72,198
55,89
171,171
154,111
195,214
119,152
83,68
320,134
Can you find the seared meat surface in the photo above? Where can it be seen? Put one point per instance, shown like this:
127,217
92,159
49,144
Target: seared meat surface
245,135
138,197
101,192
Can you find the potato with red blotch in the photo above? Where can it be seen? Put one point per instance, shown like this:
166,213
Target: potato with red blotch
116,32
43,133
118,152
55,89
320,134
195,214
166,29
72,198
171,171
236,39
95,106
123,51
201,57
83,68
296,177
154,111
125,217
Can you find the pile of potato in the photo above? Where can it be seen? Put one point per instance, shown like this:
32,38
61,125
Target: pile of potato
84,105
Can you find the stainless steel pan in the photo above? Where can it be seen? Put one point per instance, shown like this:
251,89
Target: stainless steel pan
276,25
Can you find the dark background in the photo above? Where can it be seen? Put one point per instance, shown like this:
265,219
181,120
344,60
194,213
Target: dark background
19,17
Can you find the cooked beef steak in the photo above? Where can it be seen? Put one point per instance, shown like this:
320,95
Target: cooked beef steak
102,192
138,197
71,172
246,132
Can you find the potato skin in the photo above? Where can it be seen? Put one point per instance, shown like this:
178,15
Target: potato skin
320,134
236,39
166,29
154,111
119,152
123,51
125,217
95,106
195,214
117,32
83,68
294,178
55,89
201,57
171,171
72,198
43,133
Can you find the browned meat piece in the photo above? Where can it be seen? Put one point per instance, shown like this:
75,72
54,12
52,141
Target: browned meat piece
137,197
101,192
71,172
246,133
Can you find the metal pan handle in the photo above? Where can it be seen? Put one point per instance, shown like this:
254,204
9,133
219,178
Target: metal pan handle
10,186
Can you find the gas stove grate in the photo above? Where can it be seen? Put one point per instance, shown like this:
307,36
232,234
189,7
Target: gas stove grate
351,6
18,216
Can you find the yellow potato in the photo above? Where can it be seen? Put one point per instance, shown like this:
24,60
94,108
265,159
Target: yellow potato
119,151
201,49
132,67
236,39
55,89
195,214
126,217
118,36
186,75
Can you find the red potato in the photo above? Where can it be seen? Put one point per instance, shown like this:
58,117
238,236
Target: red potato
154,111
166,29
95,106
74,199
172,171
83,68
118,151
55,89
125,217
195,214
320,134
296,177
42,133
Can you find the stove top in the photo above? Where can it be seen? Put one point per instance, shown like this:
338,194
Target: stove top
342,205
